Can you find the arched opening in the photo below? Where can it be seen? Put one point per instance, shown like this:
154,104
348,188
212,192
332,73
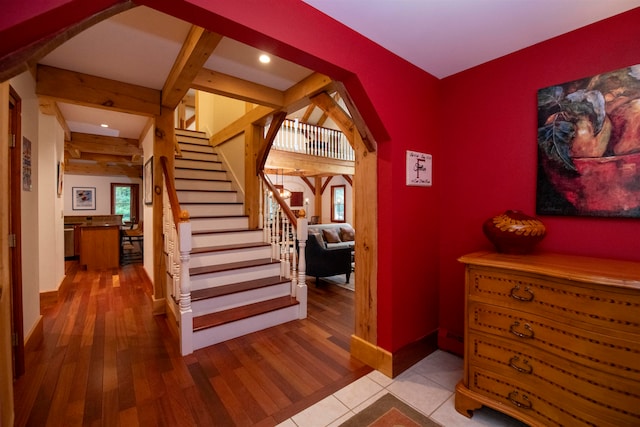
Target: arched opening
365,184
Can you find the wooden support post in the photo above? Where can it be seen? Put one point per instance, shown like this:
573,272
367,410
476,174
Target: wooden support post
365,187
317,211
163,145
252,196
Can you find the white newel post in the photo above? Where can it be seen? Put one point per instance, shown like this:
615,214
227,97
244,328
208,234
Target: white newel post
186,315
301,291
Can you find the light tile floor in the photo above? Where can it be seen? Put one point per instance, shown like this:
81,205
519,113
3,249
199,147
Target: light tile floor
428,386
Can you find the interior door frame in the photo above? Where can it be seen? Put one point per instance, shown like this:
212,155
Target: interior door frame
15,250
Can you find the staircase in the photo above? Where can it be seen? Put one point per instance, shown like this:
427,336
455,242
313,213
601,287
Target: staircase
236,287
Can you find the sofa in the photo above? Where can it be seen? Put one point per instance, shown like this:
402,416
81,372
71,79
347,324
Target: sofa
329,250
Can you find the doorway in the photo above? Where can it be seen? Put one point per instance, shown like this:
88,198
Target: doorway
15,257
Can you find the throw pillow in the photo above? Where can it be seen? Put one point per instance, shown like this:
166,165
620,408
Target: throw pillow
331,235
347,234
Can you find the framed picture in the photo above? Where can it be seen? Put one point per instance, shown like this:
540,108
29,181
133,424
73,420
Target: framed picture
83,198
148,181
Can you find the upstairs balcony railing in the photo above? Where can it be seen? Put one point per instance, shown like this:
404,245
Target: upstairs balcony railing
298,137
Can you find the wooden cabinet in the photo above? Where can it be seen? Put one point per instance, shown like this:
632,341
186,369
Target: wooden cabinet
552,339
100,246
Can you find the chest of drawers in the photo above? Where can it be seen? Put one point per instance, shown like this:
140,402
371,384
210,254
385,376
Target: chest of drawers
552,339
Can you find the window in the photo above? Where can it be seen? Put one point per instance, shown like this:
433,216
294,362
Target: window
125,201
337,203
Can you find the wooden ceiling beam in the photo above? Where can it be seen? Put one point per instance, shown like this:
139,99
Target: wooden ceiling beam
274,128
92,91
323,118
359,123
233,87
78,168
327,104
304,165
50,107
256,115
111,158
197,48
307,113
299,95
98,144
309,183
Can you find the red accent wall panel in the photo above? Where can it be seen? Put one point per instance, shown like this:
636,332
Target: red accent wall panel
489,150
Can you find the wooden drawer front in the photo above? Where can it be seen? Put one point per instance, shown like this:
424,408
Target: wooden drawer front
582,387
548,409
602,352
617,309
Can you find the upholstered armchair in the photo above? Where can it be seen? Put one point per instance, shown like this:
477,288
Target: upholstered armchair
324,262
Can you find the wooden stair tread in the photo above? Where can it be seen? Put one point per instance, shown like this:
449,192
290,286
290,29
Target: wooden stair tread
196,160
202,179
221,248
228,230
211,203
209,191
217,217
233,288
231,266
239,313
193,168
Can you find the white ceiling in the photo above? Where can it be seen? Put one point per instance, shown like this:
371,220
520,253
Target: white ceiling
442,37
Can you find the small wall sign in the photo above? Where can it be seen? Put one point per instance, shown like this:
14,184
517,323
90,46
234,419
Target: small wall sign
418,169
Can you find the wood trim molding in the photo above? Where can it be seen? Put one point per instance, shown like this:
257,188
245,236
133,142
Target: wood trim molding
35,336
374,356
393,364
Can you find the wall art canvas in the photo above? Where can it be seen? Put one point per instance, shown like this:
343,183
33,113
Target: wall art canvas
589,146
26,164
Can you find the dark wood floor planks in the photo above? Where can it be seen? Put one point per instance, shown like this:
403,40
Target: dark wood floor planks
107,361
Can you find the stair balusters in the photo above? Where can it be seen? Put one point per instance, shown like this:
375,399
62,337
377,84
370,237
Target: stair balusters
298,137
177,246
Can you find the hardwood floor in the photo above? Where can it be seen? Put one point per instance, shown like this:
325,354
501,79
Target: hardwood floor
107,361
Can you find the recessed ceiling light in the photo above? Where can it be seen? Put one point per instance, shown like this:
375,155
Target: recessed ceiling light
104,125
265,59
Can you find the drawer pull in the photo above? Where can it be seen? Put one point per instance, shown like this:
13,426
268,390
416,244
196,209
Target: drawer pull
522,402
528,332
525,368
528,295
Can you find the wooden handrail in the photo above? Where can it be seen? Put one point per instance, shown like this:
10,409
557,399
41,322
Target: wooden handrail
171,192
276,194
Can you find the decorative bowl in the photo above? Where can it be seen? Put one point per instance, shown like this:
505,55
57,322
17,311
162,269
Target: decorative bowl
514,232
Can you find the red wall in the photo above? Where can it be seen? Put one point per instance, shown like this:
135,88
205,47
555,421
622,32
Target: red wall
480,126
397,101
488,151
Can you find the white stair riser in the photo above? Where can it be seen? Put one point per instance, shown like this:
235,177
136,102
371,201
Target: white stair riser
225,257
228,238
195,138
198,164
207,196
187,184
211,210
197,148
222,223
199,174
239,299
194,155
232,330
204,281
